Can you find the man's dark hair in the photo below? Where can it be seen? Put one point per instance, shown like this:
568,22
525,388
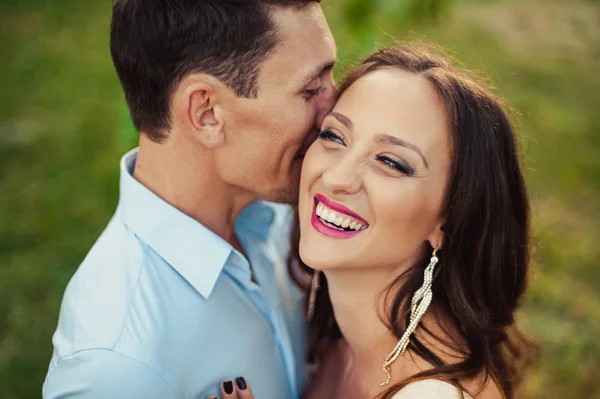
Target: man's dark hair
155,43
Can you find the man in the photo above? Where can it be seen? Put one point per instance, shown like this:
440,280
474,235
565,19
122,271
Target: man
181,290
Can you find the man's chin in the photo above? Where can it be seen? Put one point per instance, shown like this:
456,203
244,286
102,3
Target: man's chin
284,194
287,195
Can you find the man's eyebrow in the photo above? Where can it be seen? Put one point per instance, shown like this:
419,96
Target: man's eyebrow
318,71
387,139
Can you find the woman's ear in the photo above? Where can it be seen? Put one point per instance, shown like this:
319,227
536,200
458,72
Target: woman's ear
436,238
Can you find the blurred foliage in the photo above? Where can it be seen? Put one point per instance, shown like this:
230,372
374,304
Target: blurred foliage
64,126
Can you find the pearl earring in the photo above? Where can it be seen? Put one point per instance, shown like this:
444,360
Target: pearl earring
418,306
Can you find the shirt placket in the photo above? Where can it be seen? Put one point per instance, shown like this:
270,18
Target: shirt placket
265,297
266,277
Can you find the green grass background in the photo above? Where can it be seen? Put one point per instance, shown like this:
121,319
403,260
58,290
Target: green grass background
64,126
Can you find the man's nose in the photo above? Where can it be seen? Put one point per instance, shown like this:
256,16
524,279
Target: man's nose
326,105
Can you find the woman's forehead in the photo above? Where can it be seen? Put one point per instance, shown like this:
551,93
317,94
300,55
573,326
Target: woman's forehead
393,99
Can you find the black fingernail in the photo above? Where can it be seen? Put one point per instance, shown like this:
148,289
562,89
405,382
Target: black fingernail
228,387
241,383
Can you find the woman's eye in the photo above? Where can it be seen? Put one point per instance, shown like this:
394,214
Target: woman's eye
331,136
397,166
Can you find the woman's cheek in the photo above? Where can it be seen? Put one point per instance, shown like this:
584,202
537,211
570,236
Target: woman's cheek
313,162
410,217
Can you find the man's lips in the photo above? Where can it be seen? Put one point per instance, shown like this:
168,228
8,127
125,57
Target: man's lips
301,153
308,141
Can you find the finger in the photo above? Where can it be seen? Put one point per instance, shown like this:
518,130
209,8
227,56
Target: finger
243,389
228,391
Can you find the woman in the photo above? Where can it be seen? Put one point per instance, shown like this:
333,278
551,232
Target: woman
414,220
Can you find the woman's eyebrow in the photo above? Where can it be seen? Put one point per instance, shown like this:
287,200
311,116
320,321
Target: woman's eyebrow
387,139
343,119
381,138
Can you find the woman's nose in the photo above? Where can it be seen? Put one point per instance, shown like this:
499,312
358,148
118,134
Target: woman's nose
343,177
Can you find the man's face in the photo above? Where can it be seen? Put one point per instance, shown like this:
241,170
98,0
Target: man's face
267,136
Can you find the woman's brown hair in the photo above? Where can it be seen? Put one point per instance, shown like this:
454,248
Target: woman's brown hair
485,253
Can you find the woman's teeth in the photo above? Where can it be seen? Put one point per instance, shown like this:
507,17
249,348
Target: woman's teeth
337,220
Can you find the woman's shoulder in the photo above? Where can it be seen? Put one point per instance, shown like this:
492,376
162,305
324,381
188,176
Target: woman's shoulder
430,389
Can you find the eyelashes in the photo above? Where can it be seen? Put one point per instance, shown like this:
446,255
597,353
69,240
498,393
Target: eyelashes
313,92
331,136
399,166
396,166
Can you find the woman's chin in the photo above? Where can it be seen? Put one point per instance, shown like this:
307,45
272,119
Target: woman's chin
320,258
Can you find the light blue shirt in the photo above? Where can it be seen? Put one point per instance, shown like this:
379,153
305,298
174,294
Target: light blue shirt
163,308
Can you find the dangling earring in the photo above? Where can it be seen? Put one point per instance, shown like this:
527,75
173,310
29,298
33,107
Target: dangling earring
419,304
314,288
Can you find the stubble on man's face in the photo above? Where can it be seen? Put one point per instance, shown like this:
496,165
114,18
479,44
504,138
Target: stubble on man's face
271,132
285,195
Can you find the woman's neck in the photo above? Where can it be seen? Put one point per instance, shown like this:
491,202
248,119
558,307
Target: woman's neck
358,298
359,303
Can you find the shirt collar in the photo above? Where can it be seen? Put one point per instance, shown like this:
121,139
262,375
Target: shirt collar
255,220
194,251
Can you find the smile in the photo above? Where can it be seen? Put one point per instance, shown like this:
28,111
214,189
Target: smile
335,220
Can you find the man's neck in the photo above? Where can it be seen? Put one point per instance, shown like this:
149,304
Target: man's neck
182,174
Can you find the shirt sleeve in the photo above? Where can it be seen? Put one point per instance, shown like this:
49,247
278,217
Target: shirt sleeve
101,374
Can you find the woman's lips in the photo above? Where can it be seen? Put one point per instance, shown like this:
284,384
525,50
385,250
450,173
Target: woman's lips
341,220
340,209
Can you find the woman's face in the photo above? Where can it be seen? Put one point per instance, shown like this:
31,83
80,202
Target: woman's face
372,185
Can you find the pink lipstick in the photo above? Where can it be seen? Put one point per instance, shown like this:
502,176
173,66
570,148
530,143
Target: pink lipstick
325,228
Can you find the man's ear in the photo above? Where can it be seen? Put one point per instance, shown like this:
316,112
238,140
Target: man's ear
436,238
200,99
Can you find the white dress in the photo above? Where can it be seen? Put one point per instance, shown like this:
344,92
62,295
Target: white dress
429,389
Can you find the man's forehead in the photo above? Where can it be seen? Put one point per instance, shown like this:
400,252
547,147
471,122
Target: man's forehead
317,71
306,46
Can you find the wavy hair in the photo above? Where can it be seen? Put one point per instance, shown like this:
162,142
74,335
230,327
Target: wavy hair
485,253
